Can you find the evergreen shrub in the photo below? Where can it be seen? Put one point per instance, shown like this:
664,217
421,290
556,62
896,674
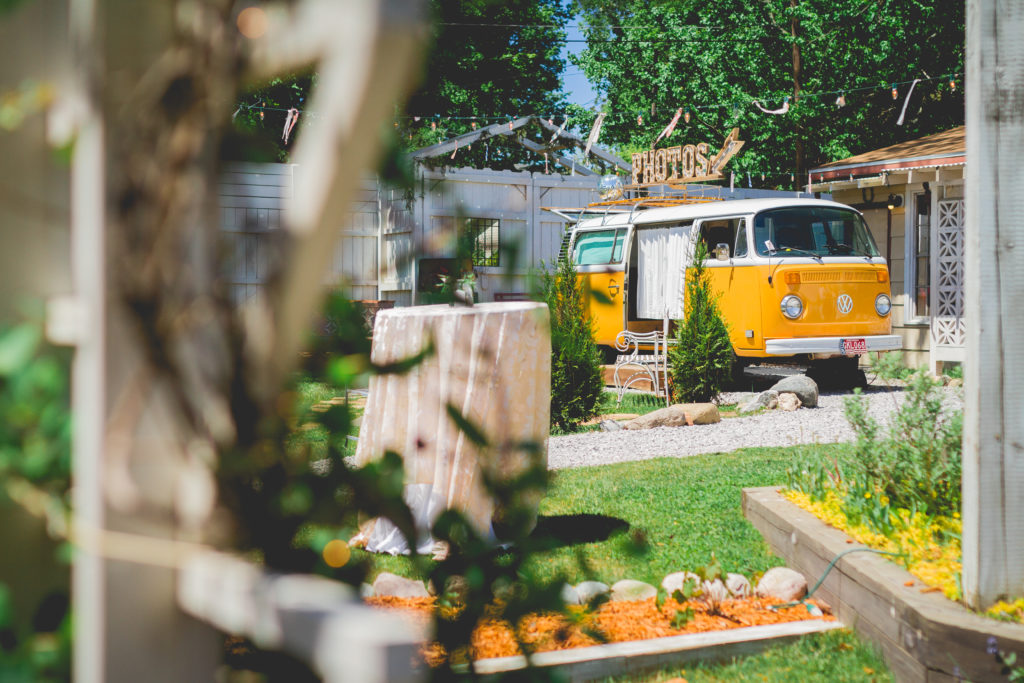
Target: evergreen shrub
576,382
700,363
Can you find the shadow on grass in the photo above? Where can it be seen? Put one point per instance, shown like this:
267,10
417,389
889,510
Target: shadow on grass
557,531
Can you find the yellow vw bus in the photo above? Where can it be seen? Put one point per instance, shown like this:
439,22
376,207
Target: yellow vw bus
798,279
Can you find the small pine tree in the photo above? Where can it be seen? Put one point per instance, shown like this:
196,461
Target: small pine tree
576,382
700,363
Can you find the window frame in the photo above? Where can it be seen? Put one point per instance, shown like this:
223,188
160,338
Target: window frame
911,316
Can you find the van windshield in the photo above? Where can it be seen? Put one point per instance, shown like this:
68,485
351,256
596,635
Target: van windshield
599,247
812,230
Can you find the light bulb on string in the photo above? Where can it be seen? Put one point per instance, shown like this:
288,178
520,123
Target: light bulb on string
895,92
841,100
472,124
952,83
433,125
686,115
639,119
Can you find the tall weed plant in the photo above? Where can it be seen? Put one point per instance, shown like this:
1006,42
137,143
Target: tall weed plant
576,382
917,464
700,364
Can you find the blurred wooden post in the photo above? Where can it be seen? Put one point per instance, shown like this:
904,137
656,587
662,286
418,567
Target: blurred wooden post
145,428
993,478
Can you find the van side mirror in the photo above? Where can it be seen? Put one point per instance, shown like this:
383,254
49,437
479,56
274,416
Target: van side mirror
722,251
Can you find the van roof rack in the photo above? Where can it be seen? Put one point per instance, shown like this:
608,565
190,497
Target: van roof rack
630,205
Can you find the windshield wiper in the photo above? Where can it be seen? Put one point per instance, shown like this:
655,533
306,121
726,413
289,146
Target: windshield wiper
800,251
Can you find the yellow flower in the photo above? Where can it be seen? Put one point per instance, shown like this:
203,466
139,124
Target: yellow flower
867,494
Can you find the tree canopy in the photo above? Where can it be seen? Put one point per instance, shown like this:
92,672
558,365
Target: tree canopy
715,59
488,61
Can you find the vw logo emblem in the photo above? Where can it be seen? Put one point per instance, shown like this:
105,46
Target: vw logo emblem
844,303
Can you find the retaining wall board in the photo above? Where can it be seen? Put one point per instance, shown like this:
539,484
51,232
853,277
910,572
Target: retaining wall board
614,659
923,636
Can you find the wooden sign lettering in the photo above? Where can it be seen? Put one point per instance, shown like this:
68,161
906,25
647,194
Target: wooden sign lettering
684,163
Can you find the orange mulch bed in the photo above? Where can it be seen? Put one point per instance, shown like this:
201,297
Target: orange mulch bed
616,621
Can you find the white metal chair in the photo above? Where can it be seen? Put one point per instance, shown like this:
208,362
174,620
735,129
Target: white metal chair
644,355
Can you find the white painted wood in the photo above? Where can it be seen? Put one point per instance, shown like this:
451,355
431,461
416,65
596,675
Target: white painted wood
491,364
993,479
322,622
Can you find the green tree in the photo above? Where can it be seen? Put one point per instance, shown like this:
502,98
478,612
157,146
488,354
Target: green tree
488,58
717,58
576,382
700,363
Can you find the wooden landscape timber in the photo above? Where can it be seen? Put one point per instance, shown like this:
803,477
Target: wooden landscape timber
923,636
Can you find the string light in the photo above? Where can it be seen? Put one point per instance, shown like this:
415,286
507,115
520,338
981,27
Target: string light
841,100
895,92
686,115
952,83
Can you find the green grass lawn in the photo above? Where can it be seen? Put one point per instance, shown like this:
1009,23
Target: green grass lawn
835,657
643,520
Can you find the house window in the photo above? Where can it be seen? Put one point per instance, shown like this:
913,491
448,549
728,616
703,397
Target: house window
919,277
485,233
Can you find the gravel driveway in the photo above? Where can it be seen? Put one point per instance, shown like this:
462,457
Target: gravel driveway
824,424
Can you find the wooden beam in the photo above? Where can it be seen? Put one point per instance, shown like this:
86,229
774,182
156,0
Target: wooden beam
466,139
595,151
993,464
563,161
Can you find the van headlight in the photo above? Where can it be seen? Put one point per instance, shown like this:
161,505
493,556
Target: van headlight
792,306
883,304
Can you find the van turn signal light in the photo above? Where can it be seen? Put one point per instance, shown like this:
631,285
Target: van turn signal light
792,278
882,275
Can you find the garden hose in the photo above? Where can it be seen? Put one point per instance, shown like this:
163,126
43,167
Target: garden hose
816,610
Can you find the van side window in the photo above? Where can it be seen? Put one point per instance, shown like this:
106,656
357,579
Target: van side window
599,247
741,241
723,231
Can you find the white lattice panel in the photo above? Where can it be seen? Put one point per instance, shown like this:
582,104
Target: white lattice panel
948,275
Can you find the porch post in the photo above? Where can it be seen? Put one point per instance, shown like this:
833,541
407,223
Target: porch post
993,477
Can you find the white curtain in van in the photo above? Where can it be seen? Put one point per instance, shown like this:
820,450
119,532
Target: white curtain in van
661,271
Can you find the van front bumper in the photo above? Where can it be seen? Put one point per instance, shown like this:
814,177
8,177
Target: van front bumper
830,345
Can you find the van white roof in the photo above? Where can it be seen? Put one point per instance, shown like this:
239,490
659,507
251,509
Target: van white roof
690,212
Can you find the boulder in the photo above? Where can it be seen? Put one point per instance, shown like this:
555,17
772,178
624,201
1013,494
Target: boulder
789,401
803,386
782,583
365,590
588,590
396,586
714,592
738,585
766,399
629,590
674,582
569,595
678,415
610,426
955,382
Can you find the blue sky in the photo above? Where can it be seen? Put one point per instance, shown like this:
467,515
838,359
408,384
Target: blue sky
576,84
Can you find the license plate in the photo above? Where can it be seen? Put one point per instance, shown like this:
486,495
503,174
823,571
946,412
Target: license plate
852,347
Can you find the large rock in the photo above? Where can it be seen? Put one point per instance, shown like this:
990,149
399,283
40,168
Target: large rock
629,590
678,415
782,583
738,585
569,595
788,401
766,399
588,590
610,426
398,587
803,386
674,582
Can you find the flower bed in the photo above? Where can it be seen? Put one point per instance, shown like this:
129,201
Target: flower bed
620,621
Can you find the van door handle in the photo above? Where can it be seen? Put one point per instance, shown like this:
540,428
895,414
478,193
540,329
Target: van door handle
613,288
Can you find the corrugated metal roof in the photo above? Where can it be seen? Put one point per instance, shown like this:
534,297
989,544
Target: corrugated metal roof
938,147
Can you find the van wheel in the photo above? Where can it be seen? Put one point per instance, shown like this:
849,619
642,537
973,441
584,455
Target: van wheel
838,373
